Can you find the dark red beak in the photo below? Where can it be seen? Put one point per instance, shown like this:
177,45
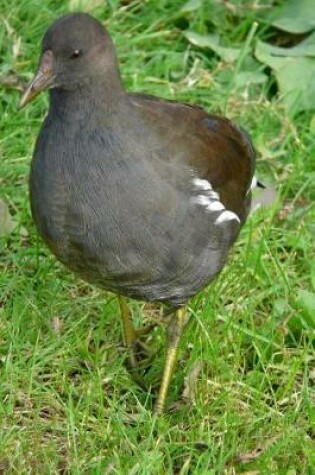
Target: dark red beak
43,79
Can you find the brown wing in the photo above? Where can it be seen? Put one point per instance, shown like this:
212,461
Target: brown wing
215,148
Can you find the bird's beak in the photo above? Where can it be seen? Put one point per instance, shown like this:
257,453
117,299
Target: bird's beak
43,79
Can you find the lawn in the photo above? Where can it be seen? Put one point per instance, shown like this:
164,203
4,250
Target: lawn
243,397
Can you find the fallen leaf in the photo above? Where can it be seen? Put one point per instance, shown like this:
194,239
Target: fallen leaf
7,223
11,81
110,469
252,455
190,380
285,211
57,325
16,47
249,456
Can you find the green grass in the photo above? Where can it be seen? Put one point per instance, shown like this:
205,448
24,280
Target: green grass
67,403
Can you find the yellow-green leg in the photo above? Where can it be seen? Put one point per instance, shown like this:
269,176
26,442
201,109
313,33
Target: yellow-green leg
129,331
131,334
175,331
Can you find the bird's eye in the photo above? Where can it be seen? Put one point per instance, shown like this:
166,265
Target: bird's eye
76,54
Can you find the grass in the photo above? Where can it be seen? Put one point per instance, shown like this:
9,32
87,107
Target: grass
242,400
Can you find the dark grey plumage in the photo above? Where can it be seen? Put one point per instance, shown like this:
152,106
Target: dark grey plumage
117,179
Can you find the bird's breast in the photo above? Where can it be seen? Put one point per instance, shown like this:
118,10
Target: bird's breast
125,219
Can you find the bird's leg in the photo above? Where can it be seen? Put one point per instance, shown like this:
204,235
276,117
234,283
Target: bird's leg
131,334
174,334
129,331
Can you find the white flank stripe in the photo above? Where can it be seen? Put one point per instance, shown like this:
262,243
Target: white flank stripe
215,206
226,216
201,184
200,200
210,200
214,195
252,185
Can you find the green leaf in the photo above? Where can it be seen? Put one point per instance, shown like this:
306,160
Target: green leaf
303,319
313,275
84,5
249,77
305,48
312,125
306,303
294,72
191,6
296,16
213,42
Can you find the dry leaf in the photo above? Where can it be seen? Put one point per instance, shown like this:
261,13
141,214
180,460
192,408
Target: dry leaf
16,47
11,81
190,382
110,468
57,325
248,457
7,223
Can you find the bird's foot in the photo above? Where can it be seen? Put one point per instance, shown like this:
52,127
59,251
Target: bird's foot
139,352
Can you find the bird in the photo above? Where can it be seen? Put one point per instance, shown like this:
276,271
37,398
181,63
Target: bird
140,195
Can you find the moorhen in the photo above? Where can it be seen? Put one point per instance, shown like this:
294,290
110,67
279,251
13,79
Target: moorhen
140,195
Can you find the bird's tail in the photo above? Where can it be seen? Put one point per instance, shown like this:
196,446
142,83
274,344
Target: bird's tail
262,195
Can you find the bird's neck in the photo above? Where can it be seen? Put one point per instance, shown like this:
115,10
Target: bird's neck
90,95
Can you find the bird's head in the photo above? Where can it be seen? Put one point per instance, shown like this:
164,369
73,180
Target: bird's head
75,49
